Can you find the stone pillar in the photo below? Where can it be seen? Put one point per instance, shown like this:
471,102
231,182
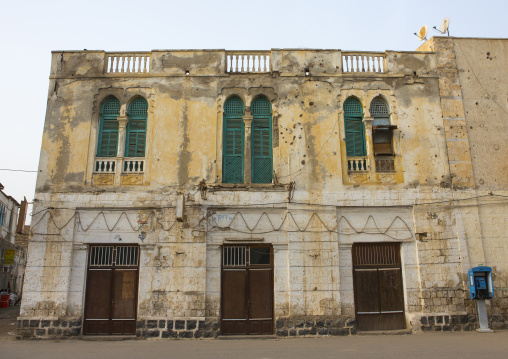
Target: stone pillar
247,161
120,153
371,163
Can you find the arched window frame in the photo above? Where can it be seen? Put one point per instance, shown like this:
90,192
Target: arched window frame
382,129
107,143
354,128
261,141
233,141
135,137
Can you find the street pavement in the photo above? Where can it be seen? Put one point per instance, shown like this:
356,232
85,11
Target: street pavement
414,346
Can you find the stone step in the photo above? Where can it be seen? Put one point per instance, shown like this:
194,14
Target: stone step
107,338
248,337
386,332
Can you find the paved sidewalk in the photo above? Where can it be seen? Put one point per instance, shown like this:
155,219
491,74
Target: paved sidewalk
415,346
428,345
8,317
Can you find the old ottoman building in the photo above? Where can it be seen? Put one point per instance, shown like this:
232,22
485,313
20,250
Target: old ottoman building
289,192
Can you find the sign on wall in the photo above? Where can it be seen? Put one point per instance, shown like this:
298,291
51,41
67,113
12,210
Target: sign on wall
9,257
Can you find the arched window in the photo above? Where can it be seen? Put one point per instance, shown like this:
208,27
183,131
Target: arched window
233,137
135,141
108,128
354,128
261,141
381,127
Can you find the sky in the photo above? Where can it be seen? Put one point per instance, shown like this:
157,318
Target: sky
30,30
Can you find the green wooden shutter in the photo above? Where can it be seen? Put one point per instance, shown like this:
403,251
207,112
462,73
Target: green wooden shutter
355,130
108,129
261,141
135,141
233,138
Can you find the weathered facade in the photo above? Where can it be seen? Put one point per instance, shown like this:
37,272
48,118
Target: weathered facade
287,192
11,275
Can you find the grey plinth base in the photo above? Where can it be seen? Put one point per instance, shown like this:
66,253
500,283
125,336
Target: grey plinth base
482,316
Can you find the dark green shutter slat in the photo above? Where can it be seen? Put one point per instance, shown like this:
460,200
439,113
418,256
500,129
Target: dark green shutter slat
108,128
355,137
233,147
354,128
261,141
136,128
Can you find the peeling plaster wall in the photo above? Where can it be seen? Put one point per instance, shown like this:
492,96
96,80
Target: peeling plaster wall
483,74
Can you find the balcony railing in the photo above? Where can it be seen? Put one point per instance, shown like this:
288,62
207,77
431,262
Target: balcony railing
373,62
104,165
123,63
357,164
385,164
248,61
133,165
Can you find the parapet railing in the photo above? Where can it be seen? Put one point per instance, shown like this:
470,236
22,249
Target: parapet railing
357,164
385,164
134,165
104,165
248,61
127,62
373,62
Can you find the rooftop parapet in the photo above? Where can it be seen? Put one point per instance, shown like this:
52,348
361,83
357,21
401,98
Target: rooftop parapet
286,62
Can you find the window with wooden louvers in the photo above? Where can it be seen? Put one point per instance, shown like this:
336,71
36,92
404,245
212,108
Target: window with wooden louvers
261,141
136,128
234,134
355,130
108,129
382,133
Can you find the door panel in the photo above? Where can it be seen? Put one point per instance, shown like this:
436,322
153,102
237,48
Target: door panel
234,294
99,281
367,289
260,301
98,299
124,294
391,295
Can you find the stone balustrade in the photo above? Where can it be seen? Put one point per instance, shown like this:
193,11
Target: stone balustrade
373,62
104,165
248,61
133,165
357,164
124,62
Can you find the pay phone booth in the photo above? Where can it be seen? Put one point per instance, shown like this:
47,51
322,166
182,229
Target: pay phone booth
481,288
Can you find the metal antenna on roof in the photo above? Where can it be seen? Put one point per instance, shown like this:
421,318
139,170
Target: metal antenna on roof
444,27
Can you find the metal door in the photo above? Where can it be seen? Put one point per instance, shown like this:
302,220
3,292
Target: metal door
379,297
247,290
111,290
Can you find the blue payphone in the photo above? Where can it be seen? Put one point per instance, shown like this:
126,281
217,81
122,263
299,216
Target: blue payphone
480,282
481,288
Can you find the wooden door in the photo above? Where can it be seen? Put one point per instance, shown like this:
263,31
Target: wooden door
379,296
111,290
247,290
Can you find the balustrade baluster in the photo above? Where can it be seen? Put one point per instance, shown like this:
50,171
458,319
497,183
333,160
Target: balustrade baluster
262,63
117,58
128,64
